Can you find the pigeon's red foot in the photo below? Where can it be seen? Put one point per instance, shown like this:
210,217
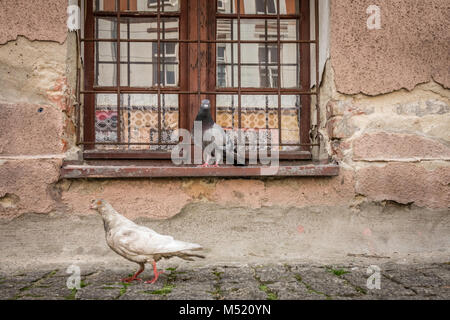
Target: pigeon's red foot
134,277
155,271
205,165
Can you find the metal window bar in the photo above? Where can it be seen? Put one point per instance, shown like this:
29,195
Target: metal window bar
163,90
280,129
158,59
239,63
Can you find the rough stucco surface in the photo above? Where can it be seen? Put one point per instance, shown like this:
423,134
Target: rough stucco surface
412,46
164,198
158,199
28,186
27,129
36,20
392,146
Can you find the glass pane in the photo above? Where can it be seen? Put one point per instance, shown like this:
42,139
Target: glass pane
258,29
289,29
141,75
227,111
141,67
264,29
106,74
290,121
169,62
137,5
140,118
169,116
258,6
259,111
226,29
261,7
226,6
106,28
106,64
141,64
104,5
290,65
226,61
147,28
259,65
165,5
106,118
138,28
270,7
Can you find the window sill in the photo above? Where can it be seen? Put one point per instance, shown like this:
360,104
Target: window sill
165,169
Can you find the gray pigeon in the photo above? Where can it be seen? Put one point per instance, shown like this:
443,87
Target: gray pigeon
212,129
140,244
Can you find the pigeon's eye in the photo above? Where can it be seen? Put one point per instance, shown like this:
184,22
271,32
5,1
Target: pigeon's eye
99,202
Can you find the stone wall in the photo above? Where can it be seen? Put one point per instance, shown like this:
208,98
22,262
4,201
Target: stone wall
385,110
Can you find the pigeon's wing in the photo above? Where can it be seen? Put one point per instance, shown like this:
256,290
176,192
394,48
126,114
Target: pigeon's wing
134,241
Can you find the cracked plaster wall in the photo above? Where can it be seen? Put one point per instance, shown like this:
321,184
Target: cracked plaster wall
385,117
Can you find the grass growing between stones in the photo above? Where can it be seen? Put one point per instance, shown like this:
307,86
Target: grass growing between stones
168,285
165,290
270,294
337,272
217,293
72,295
124,289
310,289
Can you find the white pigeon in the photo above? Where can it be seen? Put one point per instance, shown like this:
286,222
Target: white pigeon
138,243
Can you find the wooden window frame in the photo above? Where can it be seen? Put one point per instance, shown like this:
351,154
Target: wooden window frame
197,72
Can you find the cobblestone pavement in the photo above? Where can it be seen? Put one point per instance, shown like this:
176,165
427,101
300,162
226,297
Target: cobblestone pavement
256,282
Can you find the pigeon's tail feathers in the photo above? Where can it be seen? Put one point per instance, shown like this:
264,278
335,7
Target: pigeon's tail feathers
179,246
189,256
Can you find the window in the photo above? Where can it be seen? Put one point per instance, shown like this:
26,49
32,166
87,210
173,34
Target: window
148,63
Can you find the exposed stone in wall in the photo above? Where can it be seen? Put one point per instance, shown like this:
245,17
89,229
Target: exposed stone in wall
406,183
383,146
31,72
404,134
36,20
36,105
399,126
412,46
